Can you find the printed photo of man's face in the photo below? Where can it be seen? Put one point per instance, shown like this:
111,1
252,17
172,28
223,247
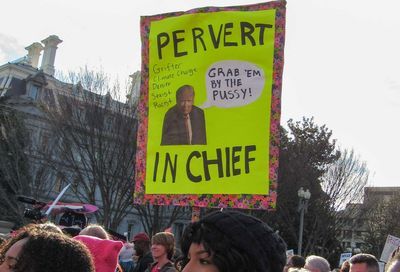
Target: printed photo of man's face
185,101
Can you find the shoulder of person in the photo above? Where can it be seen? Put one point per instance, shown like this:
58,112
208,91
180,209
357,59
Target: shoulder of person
197,110
169,264
148,255
134,269
173,110
150,266
169,267
148,258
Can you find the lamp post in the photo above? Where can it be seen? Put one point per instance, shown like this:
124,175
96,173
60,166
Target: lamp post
304,196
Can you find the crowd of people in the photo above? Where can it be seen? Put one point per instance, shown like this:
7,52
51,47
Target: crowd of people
223,241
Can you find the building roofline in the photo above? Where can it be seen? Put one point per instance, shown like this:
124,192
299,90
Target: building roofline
18,66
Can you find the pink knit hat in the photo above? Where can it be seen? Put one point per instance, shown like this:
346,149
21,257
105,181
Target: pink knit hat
104,252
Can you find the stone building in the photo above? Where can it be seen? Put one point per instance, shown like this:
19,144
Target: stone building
26,87
355,216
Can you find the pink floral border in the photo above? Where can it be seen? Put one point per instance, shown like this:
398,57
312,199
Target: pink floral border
243,201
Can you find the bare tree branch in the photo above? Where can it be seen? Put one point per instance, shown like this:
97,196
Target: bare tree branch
97,137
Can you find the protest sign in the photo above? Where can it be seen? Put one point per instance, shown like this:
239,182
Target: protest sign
210,106
344,257
392,243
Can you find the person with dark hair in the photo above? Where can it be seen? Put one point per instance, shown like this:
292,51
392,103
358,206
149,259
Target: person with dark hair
162,249
226,241
295,261
141,243
35,250
345,266
363,263
393,264
184,123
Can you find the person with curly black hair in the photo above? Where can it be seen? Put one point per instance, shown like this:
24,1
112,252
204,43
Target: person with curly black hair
226,241
35,250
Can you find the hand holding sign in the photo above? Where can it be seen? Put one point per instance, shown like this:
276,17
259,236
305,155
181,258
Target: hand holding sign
233,83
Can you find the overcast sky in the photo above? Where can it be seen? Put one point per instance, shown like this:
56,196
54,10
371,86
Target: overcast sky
342,59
